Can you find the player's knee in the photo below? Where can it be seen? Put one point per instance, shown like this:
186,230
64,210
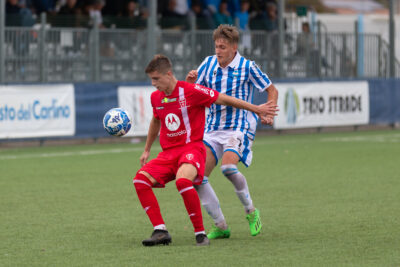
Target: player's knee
141,182
200,188
183,184
229,169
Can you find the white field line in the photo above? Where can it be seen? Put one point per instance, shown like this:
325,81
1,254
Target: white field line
387,138
72,153
380,138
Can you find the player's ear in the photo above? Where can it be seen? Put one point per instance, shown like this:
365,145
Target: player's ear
235,46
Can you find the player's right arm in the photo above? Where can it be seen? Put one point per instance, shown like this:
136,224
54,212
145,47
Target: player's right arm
152,134
206,96
268,109
191,77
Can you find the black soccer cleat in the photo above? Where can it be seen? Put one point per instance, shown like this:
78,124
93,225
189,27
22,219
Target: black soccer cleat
202,240
158,237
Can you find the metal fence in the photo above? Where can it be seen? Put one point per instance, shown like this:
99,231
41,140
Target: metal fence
51,54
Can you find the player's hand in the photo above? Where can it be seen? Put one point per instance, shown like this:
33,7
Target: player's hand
269,120
144,157
268,109
267,112
191,77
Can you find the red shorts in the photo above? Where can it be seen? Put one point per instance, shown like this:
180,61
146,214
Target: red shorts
164,168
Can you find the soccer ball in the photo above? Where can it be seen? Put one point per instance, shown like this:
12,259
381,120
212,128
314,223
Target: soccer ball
117,122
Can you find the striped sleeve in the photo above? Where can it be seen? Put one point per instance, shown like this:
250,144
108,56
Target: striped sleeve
202,70
257,78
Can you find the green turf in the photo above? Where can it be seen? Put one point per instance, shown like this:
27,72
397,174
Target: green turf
325,200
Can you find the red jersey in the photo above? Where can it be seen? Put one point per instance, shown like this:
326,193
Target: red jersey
182,113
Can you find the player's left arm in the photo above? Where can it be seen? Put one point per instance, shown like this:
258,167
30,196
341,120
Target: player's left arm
261,81
263,110
273,100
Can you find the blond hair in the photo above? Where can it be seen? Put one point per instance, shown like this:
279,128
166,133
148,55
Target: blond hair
227,32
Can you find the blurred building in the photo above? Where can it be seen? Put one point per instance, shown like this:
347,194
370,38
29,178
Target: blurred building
355,6
373,23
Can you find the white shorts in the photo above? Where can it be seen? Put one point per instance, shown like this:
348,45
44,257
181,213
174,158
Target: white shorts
235,141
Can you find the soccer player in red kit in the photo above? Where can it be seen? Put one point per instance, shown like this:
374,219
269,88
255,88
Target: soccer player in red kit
179,116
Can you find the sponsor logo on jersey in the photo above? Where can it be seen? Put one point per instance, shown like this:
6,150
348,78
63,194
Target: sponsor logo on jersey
159,107
189,156
198,165
168,100
176,134
172,122
204,90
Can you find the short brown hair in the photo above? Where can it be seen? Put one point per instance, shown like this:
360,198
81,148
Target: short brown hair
228,32
159,63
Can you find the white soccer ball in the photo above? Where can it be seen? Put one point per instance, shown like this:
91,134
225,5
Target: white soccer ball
117,122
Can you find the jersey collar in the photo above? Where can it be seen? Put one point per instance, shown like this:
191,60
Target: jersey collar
174,92
234,63
236,60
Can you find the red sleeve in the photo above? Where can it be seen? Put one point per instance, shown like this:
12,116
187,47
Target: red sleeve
153,98
204,96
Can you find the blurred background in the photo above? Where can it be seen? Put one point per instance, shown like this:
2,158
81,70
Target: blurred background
110,40
64,63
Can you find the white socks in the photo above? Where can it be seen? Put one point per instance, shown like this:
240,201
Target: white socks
210,202
160,227
239,182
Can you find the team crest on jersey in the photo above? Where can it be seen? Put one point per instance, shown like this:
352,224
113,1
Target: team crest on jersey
189,156
168,100
214,73
235,73
182,103
172,122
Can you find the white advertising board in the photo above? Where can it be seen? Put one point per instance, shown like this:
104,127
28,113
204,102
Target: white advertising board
37,111
321,104
136,100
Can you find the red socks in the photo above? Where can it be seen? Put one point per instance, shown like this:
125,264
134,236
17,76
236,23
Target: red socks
149,201
147,198
192,203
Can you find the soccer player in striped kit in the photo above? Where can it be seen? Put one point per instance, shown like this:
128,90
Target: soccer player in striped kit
229,132
179,117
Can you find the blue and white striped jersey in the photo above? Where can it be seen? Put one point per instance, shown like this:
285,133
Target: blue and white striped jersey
238,79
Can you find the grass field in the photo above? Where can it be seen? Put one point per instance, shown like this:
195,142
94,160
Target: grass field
325,200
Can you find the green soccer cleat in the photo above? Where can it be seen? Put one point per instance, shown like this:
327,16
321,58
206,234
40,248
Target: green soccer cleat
216,233
254,222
